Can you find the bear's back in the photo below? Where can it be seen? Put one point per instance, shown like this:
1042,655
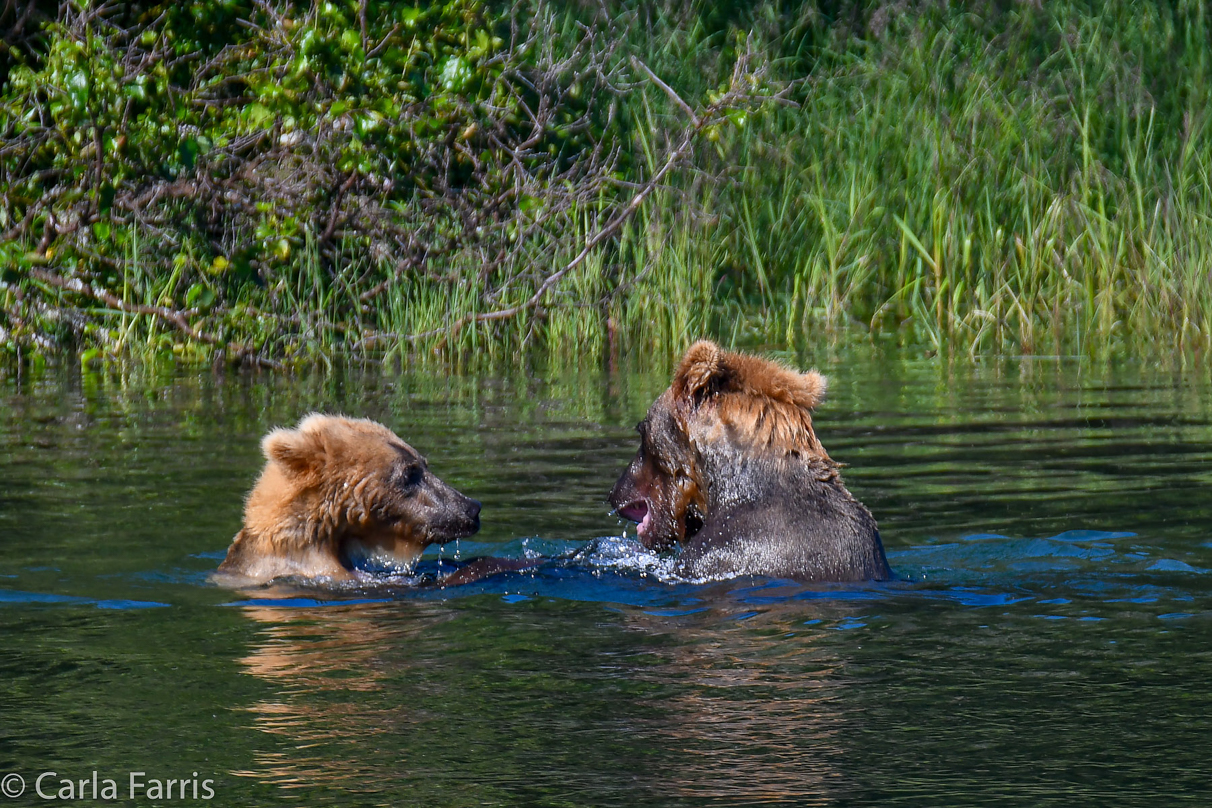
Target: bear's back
817,532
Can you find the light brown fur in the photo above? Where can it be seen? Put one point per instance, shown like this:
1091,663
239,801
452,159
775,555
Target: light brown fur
761,402
336,486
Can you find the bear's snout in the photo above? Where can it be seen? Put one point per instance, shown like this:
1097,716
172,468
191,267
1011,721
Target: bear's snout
626,488
473,510
453,514
635,499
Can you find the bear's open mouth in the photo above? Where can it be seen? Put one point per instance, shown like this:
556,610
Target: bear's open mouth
638,512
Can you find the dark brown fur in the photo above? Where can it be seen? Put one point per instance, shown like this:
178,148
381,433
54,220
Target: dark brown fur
730,469
336,488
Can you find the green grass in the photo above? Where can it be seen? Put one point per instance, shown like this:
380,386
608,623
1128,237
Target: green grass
1031,181
962,179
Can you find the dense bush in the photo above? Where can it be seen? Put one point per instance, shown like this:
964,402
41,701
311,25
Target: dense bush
188,155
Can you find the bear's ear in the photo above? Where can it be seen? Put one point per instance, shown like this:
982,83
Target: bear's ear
701,372
299,451
811,390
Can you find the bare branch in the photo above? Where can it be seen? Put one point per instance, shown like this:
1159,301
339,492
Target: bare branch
174,318
677,99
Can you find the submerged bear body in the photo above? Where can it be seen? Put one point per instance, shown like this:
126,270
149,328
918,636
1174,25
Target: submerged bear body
730,470
337,490
806,527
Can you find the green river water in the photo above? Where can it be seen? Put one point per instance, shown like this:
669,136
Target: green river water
1049,641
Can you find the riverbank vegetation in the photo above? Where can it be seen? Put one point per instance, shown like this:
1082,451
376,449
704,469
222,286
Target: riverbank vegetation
271,181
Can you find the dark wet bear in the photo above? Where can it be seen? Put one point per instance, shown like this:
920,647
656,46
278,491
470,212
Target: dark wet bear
730,470
335,490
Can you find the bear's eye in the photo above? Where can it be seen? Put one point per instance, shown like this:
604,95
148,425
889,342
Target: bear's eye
408,476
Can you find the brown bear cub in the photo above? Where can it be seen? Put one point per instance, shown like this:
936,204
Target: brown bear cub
730,469
337,489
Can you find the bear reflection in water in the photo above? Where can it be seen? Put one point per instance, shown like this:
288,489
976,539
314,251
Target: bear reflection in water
730,470
491,705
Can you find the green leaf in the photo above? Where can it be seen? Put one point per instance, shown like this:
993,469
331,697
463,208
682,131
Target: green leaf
258,115
200,296
188,152
77,89
454,75
410,16
105,198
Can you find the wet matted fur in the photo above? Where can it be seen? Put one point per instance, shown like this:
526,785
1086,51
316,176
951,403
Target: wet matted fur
335,489
730,469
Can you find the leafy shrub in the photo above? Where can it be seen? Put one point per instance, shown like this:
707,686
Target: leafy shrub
189,154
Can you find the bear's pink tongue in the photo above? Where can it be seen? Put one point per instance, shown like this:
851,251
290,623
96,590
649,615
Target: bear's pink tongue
637,512
642,527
